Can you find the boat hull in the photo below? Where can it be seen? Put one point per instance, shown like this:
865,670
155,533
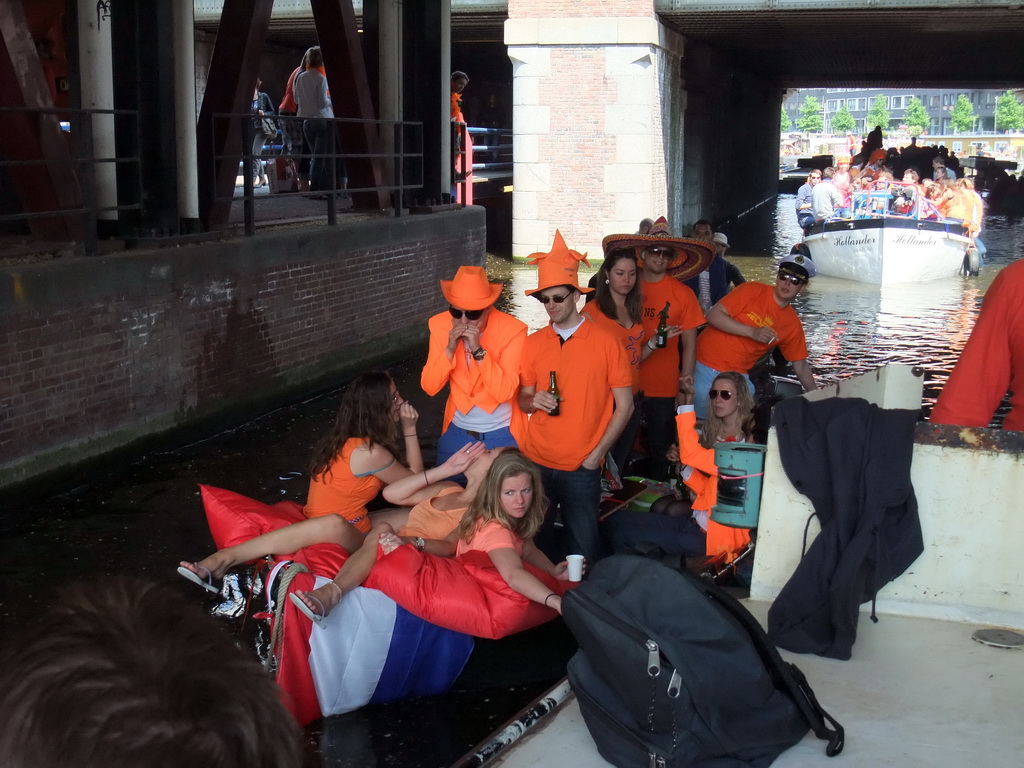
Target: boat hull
888,250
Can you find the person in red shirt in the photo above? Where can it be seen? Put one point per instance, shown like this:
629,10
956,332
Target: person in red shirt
665,261
475,350
594,404
992,362
752,319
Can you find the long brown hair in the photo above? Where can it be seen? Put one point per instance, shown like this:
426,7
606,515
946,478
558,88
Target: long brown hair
487,504
365,411
603,295
713,425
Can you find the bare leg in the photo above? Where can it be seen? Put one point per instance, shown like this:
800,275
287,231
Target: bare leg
352,574
395,517
328,529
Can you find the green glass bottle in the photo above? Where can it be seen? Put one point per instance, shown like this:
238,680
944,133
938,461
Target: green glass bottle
553,390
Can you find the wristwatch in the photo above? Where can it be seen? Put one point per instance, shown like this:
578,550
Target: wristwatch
479,354
419,543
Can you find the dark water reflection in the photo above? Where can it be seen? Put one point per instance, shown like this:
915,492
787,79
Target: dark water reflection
852,327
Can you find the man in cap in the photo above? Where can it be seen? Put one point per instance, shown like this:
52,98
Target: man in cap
752,319
595,402
712,283
733,276
475,349
664,261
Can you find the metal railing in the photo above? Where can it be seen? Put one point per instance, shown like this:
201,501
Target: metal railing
72,192
400,154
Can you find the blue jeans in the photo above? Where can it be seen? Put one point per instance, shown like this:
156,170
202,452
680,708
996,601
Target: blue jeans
317,132
659,417
627,528
455,438
703,378
577,494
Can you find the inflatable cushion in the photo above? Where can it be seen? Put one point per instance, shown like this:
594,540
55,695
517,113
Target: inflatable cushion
466,594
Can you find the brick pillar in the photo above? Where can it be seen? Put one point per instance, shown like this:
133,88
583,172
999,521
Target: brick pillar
598,133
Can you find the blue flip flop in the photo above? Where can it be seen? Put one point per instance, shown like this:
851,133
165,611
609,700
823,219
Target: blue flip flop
195,578
316,618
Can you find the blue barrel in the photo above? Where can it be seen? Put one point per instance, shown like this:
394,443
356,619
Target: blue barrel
740,471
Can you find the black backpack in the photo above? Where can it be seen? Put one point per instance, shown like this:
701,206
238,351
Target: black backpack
673,672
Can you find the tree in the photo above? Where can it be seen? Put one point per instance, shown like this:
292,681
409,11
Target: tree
810,120
961,117
842,121
786,123
878,115
1009,113
916,118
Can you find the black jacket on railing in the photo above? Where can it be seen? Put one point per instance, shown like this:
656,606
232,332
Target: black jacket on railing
852,460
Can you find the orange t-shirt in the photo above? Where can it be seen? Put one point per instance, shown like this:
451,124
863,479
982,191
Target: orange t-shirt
428,521
489,536
587,367
338,492
659,373
632,339
751,304
704,482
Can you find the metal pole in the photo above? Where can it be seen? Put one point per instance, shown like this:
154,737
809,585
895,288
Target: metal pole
248,204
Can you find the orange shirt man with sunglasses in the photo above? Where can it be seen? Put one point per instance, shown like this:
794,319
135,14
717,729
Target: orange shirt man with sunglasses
475,349
749,321
595,385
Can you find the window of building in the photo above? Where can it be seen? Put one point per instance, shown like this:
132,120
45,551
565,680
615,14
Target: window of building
833,105
958,147
935,101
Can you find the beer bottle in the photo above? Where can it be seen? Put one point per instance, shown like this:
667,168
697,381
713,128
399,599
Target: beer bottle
661,334
553,390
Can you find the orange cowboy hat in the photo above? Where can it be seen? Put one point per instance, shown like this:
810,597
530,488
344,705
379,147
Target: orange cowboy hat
560,266
470,289
691,257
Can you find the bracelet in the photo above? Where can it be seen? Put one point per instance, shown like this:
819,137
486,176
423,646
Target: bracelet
550,595
425,477
651,345
408,434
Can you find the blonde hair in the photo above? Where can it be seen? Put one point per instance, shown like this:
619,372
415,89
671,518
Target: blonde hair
487,504
745,405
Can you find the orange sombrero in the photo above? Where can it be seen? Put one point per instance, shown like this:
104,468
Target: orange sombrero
470,289
691,257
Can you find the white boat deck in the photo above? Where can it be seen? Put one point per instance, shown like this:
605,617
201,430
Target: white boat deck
918,693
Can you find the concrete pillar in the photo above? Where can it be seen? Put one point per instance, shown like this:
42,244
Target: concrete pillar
96,73
390,74
185,116
596,120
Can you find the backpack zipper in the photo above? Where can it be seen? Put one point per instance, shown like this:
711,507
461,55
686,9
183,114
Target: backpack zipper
654,657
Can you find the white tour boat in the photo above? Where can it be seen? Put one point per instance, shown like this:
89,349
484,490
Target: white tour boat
890,239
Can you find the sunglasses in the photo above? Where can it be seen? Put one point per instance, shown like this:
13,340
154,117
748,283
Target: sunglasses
471,314
792,279
557,299
725,394
663,253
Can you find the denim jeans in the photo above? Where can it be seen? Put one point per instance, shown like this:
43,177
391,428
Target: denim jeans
455,438
660,418
577,495
318,134
627,528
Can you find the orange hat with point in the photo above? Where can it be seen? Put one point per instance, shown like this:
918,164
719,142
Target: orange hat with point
559,266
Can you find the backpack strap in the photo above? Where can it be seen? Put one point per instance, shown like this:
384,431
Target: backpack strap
787,676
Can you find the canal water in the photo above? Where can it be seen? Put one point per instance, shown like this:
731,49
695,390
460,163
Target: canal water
141,515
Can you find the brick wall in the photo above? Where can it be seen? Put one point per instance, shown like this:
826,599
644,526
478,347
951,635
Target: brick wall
96,353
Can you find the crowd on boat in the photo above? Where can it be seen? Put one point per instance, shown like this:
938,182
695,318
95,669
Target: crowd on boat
534,423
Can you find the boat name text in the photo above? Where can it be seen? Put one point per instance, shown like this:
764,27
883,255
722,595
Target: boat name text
913,240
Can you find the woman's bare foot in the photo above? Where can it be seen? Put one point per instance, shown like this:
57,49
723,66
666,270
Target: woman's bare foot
212,568
321,600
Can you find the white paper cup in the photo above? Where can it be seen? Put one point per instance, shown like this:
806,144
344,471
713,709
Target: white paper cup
575,563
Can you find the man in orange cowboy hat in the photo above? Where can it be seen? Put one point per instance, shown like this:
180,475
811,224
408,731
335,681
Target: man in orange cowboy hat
665,261
595,388
475,349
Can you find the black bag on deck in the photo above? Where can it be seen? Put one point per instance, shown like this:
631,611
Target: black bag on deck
673,672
